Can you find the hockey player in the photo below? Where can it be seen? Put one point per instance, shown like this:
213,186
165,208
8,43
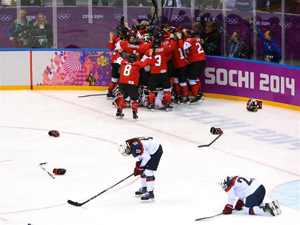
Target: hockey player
159,76
113,42
250,191
147,151
129,80
196,58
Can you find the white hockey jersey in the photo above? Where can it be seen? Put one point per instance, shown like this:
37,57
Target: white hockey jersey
241,188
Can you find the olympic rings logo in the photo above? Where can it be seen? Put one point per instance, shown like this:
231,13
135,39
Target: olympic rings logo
63,16
287,25
118,16
233,21
5,18
178,18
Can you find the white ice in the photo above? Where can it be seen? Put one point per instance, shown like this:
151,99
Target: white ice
263,145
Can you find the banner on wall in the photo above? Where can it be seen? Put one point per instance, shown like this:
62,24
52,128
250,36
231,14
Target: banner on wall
76,68
252,80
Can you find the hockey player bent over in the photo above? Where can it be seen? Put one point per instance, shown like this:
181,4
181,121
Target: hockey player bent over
148,151
250,191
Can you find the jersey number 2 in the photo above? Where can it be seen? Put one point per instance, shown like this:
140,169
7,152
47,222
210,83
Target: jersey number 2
241,179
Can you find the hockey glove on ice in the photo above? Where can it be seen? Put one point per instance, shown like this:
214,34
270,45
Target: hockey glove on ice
54,133
227,209
239,205
214,130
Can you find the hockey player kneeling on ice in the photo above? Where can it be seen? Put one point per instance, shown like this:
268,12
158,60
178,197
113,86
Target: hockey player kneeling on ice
250,193
147,151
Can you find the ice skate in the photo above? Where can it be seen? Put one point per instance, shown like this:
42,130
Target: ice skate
141,192
119,113
109,94
196,100
151,107
168,106
134,115
148,197
277,206
271,209
184,100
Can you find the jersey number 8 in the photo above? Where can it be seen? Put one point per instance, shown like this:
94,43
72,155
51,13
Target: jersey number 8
127,70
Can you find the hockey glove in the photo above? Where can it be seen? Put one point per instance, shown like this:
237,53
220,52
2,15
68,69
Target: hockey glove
138,170
214,130
239,205
54,133
227,209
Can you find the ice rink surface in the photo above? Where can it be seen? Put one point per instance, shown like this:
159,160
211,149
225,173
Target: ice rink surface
264,145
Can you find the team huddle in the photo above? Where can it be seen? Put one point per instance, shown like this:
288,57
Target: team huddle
151,59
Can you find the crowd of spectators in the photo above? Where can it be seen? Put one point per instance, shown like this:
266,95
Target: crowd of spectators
38,34
291,6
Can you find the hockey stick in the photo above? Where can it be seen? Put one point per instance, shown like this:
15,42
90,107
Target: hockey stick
83,96
210,142
209,217
41,165
80,204
135,22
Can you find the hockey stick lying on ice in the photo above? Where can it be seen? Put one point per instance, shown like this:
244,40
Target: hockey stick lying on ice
210,142
83,96
41,165
80,204
209,217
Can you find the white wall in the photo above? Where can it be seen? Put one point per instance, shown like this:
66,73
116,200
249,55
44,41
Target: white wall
14,68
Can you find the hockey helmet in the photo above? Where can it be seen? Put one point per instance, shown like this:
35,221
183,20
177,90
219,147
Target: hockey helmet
124,148
252,105
223,183
156,43
147,38
191,33
132,58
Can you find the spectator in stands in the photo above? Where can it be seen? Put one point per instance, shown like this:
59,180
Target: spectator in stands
8,2
271,50
69,2
146,3
293,7
235,46
96,2
244,5
212,41
172,3
212,4
19,31
30,2
129,3
198,28
43,32
230,4
153,17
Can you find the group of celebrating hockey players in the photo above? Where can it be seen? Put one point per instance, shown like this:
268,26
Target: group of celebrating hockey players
155,66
